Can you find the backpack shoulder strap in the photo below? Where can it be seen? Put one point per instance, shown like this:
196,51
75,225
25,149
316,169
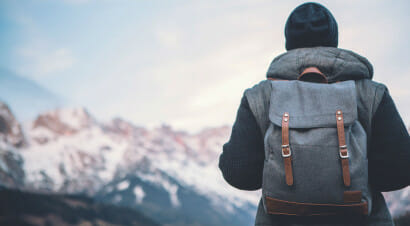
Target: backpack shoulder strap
259,98
369,96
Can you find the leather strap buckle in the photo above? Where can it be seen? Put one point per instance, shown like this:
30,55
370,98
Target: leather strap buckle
343,152
344,156
283,153
286,153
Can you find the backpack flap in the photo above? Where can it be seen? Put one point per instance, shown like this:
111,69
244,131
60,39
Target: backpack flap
312,105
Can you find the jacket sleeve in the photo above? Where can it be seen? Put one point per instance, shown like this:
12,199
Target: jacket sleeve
241,161
389,153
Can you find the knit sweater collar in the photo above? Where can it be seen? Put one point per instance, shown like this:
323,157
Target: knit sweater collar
337,64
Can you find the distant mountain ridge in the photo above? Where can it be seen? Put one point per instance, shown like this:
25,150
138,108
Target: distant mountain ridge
170,176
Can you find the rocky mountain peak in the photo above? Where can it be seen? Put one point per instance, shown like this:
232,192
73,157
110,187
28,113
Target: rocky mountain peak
68,151
10,129
11,138
63,122
123,128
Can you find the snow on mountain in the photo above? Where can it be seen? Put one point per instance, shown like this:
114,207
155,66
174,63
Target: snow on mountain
11,138
70,155
398,201
158,171
139,194
70,152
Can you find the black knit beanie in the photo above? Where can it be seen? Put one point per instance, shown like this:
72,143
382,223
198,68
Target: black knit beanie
309,25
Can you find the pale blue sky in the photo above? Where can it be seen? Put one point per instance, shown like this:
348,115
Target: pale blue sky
184,63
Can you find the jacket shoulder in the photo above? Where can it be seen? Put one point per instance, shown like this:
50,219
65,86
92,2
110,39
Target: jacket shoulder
259,88
258,99
370,94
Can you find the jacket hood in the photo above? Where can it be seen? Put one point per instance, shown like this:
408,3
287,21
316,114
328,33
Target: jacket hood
337,64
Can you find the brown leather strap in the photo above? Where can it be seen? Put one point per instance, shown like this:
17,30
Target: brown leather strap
343,152
313,74
286,152
277,206
276,79
314,70
346,173
352,196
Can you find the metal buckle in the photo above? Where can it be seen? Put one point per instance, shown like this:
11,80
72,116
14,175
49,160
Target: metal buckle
340,152
286,155
344,156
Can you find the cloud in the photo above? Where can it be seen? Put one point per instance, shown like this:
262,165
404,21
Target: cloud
188,63
169,38
200,62
42,62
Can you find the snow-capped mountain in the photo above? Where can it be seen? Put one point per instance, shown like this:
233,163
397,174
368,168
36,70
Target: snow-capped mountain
68,151
11,138
171,176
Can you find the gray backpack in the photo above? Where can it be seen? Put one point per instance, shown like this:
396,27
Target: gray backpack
315,151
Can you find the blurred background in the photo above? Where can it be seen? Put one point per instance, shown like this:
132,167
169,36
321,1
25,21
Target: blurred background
115,112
